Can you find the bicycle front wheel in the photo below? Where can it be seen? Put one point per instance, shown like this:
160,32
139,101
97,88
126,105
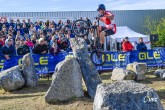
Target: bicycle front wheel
80,28
98,58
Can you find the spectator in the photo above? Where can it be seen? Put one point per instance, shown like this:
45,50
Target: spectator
12,24
141,46
41,48
89,23
62,42
22,48
4,30
19,35
29,43
19,29
10,36
34,38
8,50
1,42
126,45
32,29
45,30
28,24
25,29
0,25
16,46
18,23
70,35
37,26
12,30
6,23
55,49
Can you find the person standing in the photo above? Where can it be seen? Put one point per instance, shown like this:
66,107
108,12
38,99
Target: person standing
141,45
126,45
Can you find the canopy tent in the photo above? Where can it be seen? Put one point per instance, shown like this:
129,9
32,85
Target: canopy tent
124,31
133,36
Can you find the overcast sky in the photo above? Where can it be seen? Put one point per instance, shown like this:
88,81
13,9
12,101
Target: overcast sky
77,5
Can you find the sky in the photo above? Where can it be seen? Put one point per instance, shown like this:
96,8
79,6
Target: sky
77,5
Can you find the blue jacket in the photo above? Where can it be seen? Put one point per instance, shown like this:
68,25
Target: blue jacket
8,51
13,25
141,47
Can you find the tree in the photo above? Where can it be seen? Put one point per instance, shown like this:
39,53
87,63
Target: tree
155,27
160,30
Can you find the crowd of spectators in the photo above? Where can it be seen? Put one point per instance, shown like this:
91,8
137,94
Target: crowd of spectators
21,37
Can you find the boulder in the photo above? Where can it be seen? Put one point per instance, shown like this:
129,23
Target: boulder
163,76
66,83
159,72
90,74
12,79
122,74
139,68
29,72
126,95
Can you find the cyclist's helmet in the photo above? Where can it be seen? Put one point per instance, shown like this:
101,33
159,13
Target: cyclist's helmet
101,7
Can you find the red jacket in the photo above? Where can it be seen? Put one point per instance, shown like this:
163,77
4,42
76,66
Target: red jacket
29,43
127,46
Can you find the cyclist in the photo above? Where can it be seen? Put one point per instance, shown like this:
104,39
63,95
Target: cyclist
108,18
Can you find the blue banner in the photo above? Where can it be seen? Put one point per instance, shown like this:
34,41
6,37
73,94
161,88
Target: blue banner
121,59
46,63
43,63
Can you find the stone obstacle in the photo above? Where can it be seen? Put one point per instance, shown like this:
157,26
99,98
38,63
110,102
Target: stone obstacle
122,74
12,79
66,83
29,72
67,78
19,76
160,73
90,74
139,68
126,95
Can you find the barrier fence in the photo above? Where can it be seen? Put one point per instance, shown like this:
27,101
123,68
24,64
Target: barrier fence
46,63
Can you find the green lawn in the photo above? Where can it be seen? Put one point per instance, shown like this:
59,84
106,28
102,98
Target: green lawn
33,98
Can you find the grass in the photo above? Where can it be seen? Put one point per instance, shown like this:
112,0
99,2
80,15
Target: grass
33,98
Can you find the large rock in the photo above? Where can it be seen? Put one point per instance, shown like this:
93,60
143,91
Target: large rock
163,76
126,95
66,82
122,74
12,79
90,74
160,73
139,68
29,72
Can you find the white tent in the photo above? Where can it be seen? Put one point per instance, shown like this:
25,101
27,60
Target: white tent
133,36
124,31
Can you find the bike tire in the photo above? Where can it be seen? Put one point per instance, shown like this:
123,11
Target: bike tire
95,59
74,31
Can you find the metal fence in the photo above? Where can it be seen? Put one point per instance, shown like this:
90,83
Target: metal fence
134,19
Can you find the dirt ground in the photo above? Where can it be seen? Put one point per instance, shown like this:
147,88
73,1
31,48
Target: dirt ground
33,98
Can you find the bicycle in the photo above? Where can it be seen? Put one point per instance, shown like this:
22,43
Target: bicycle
80,28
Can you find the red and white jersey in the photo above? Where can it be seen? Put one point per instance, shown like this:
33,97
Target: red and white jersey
109,23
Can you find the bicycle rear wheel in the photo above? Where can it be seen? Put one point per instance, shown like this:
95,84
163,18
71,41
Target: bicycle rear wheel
80,28
98,58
